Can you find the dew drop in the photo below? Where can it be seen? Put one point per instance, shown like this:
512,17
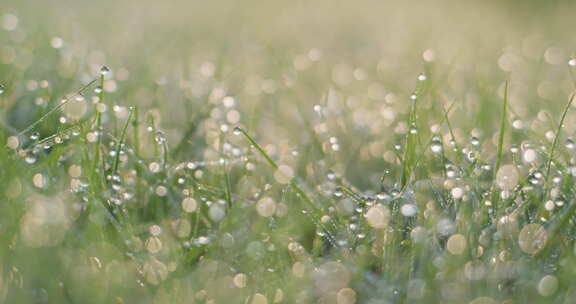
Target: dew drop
507,177
457,192
436,145
34,136
155,230
13,142
259,298
104,70
532,238
160,138
530,155
153,245
569,144
346,296
217,212
409,210
240,280
475,141
456,244
548,285
378,216
39,180
189,205
266,207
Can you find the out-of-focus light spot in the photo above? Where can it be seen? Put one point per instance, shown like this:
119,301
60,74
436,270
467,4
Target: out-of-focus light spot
9,22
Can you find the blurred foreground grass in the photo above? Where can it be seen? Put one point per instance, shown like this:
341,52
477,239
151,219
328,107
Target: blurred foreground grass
287,152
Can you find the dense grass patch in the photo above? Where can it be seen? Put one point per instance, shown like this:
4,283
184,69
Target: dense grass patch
277,153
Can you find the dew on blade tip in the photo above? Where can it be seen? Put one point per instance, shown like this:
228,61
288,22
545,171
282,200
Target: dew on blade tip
160,137
104,70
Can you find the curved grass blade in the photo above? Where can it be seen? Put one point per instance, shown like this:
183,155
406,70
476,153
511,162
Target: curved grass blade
557,136
502,129
56,108
120,142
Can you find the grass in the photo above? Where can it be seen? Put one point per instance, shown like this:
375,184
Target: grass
280,153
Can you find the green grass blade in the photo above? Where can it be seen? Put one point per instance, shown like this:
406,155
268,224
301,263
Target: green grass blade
503,118
557,136
120,141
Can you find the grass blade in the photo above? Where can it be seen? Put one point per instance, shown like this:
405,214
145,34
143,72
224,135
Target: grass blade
557,137
502,129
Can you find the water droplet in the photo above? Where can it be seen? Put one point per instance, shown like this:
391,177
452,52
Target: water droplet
383,196
378,216
507,177
39,180
471,155
456,244
532,238
548,285
160,138
153,245
240,280
13,142
161,190
457,192
530,155
217,212
338,193
34,136
266,207
331,175
570,144
572,62
30,158
189,204
284,174
346,296
421,77
155,230
475,141
259,298
2,89
409,210
104,70
436,145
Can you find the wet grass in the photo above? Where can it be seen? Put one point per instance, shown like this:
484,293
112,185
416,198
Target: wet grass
287,169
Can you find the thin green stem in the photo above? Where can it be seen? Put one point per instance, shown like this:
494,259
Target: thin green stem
557,137
502,129
120,142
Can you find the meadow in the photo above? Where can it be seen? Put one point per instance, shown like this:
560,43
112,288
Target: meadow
274,151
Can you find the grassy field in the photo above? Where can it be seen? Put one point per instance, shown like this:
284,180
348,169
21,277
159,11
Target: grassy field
287,151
